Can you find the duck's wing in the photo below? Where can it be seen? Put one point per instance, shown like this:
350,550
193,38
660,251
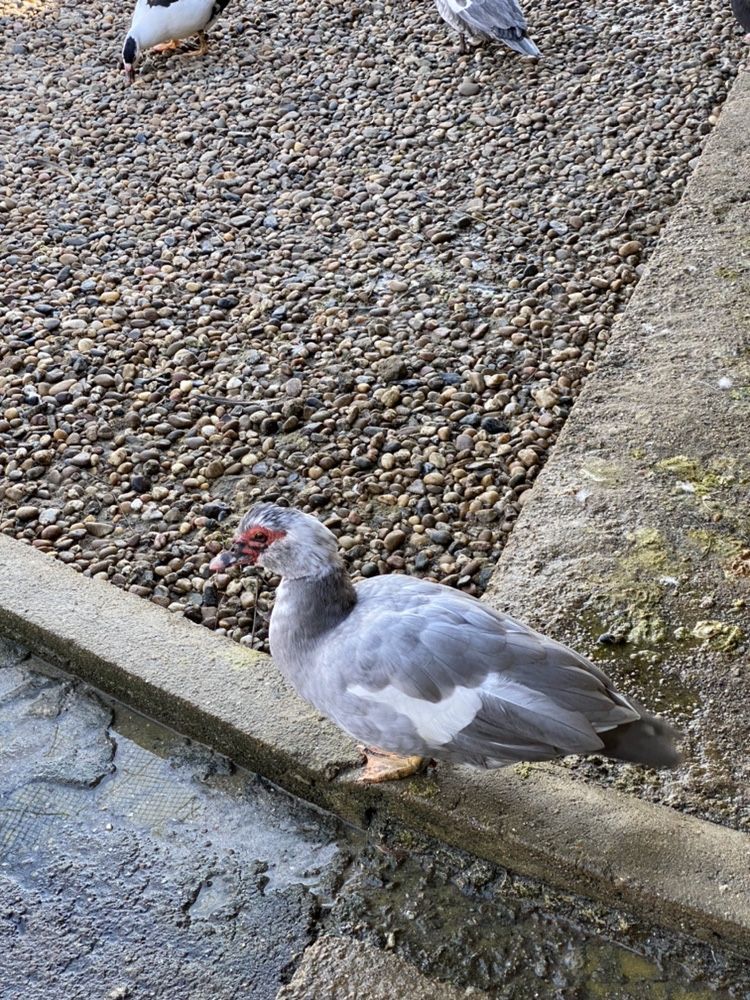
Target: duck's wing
473,683
501,20
487,16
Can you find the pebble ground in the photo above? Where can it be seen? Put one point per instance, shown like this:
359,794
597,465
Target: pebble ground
332,261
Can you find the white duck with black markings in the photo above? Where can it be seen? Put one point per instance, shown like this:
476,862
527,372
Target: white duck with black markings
161,24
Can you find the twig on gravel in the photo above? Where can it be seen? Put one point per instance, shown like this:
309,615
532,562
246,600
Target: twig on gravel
625,213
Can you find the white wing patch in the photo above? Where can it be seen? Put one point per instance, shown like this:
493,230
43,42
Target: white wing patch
436,722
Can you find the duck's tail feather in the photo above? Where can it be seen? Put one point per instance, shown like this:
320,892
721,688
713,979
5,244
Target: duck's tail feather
649,740
521,43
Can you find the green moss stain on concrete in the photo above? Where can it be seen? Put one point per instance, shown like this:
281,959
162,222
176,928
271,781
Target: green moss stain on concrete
633,607
424,789
636,968
625,975
702,480
720,489
635,602
726,546
719,635
650,606
721,492
730,550
647,573
649,551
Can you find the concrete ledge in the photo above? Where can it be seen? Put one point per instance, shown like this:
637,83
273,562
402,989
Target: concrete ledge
688,874
639,524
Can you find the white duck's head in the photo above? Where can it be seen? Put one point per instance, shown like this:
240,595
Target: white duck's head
282,540
130,52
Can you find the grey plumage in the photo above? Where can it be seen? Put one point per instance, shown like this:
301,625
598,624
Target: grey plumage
417,668
489,20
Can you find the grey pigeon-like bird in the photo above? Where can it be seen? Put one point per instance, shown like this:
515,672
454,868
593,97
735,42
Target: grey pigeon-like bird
488,20
415,670
161,24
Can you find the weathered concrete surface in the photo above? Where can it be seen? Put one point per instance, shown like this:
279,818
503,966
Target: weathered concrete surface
131,857
689,874
639,525
126,872
340,969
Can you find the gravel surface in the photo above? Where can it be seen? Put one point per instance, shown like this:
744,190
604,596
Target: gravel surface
331,261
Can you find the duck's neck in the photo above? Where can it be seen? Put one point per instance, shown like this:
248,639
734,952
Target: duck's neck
307,607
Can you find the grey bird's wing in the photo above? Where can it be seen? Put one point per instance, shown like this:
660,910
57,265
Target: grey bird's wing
501,20
487,16
474,685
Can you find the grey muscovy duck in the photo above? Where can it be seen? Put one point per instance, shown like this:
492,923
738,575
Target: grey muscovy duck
415,670
161,24
741,10
489,20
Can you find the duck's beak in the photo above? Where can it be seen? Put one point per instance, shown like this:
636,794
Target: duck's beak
129,71
223,561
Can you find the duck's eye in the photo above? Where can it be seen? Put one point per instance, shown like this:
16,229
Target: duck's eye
258,536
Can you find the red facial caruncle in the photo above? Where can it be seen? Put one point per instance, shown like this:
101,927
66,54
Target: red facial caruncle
247,548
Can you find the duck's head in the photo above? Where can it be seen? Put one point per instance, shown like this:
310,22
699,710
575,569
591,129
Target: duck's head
130,52
282,540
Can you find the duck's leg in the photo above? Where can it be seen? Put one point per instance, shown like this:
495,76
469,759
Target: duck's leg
380,765
202,45
167,46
